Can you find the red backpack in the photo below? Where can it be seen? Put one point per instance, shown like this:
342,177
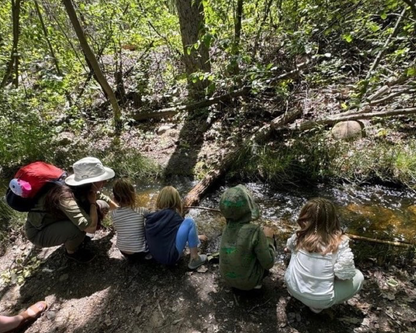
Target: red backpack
30,182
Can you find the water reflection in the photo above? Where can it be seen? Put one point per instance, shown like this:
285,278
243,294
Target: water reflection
370,211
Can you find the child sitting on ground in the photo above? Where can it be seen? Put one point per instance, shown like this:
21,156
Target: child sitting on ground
321,271
246,251
167,232
128,220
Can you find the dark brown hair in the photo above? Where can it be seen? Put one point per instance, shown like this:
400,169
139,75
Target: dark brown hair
124,193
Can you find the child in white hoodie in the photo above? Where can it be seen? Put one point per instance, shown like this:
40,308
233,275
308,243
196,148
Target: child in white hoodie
321,271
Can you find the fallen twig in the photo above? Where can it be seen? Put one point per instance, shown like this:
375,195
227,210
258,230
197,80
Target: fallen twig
380,241
259,305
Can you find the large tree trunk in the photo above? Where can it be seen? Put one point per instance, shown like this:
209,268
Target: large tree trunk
89,55
195,195
196,59
14,57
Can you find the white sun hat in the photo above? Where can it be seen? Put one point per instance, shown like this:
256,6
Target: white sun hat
89,170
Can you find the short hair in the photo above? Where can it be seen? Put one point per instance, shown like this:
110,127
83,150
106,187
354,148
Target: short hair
124,193
169,198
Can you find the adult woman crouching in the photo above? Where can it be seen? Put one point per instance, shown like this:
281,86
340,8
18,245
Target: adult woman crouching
68,211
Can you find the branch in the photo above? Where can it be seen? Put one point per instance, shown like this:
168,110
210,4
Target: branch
386,44
355,116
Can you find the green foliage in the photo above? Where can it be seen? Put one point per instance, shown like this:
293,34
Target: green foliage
25,133
130,164
298,160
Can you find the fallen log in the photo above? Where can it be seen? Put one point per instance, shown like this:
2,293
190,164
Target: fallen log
195,195
169,112
354,116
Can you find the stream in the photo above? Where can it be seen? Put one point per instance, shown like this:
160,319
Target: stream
376,212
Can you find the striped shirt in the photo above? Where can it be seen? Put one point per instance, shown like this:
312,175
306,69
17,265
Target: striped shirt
129,225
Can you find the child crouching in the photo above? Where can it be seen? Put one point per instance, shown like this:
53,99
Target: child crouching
246,251
321,271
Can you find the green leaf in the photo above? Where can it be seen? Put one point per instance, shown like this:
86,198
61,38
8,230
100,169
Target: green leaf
348,38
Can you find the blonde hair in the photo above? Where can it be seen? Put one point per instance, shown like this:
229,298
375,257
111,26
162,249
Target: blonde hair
169,198
320,228
124,193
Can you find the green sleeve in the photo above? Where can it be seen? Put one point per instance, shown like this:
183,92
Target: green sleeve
75,213
264,250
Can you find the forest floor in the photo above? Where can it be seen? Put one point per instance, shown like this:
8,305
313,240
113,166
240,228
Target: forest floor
111,295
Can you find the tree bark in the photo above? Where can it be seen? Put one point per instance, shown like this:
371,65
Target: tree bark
89,55
51,50
355,116
196,58
195,195
13,64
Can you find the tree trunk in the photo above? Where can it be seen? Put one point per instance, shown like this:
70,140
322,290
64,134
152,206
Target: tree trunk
89,55
13,64
195,195
196,58
51,50
237,37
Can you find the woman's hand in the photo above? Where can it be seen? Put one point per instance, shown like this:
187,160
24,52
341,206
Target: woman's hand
92,196
268,232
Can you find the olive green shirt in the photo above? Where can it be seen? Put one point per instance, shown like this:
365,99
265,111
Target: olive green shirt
70,210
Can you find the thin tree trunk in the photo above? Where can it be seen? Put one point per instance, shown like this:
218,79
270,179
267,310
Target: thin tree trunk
89,55
13,64
385,46
196,59
237,36
51,50
263,21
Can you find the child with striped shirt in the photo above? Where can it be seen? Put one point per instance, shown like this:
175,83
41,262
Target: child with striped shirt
128,220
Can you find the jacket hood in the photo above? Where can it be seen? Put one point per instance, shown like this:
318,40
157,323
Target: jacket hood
162,220
237,205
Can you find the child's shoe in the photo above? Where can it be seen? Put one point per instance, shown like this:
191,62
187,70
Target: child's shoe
82,256
315,310
195,263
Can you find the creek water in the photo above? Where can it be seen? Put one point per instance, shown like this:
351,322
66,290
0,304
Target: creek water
375,211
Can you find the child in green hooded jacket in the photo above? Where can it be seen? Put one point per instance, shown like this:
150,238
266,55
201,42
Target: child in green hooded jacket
246,251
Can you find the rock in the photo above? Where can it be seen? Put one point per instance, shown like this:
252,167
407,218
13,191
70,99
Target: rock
347,130
162,129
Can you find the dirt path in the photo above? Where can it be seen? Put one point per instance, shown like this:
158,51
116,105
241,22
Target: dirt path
110,295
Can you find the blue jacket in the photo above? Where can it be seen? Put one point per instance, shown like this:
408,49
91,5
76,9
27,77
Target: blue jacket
161,228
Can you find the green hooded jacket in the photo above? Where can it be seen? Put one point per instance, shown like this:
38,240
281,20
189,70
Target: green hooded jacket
245,252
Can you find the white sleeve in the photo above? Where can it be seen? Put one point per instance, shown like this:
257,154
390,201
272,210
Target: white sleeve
344,267
291,242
